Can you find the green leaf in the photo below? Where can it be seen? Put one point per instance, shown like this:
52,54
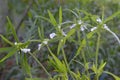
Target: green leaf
52,19
59,47
6,49
115,77
112,16
94,68
13,29
25,64
41,33
6,40
57,64
71,32
89,35
102,65
9,54
74,13
60,15
44,18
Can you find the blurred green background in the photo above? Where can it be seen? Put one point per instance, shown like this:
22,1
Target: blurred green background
23,16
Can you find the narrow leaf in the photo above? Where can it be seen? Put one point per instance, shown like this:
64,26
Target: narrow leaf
115,77
60,15
6,40
112,16
8,55
13,30
52,19
44,18
6,49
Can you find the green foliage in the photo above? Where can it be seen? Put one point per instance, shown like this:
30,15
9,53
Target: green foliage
79,38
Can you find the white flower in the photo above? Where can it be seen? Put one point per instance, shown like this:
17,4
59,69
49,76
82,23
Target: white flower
59,26
15,43
106,27
45,41
83,27
25,50
39,46
72,26
94,28
80,22
98,20
52,35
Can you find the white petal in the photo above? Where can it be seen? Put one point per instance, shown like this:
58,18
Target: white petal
72,26
45,41
106,27
25,50
15,43
39,46
52,35
83,27
94,28
99,20
79,22
59,26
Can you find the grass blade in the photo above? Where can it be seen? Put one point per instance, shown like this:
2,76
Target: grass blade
115,77
8,55
13,29
52,19
60,15
6,40
112,16
6,49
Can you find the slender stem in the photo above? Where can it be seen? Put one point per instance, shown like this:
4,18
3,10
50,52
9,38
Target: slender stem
85,62
64,56
40,64
65,59
97,51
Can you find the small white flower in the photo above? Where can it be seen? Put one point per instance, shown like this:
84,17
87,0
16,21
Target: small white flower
106,27
52,35
72,26
99,20
39,46
59,26
15,43
25,50
94,28
45,41
80,22
83,27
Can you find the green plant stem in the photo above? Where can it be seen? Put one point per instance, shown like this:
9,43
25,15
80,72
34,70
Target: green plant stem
65,59
85,62
97,51
40,65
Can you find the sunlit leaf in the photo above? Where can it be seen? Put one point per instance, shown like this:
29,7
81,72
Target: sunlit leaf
52,19
60,15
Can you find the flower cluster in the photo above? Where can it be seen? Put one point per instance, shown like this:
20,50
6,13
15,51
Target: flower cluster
45,42
24,50
82,25
104,25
